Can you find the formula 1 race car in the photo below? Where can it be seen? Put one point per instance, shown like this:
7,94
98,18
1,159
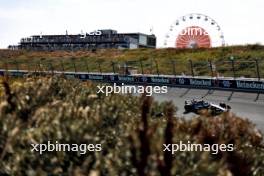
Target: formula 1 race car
196,106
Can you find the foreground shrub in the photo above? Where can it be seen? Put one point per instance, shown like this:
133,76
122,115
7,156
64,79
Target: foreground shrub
38,110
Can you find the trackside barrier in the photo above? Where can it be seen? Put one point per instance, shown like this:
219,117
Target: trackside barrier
230,84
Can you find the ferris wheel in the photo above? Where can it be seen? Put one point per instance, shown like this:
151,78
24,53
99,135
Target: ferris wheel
194,31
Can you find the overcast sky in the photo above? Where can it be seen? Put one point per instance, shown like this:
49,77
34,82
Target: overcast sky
241,20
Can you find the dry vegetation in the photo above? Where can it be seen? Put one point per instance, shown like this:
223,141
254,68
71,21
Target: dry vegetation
164,57
35,110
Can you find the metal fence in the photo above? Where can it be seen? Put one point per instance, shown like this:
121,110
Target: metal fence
226,68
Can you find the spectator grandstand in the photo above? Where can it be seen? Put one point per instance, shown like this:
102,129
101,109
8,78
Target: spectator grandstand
100,39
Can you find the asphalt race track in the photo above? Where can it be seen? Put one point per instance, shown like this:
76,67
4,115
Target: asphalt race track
245,105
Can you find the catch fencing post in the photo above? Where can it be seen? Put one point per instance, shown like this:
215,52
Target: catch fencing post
17,66
211,68
62,66
151,66
257,67
157,67
87,66
35,70
141,65
113,66
191,65
51,68
173,67
100,68
233,66
6,68
39,66
73,61
28,65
